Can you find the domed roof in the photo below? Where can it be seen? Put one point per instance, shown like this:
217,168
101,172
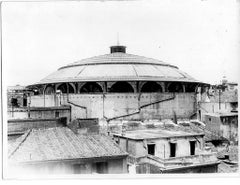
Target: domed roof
117,66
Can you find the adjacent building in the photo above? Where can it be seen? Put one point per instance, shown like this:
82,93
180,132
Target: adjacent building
167,149
17,96
224,124
59,150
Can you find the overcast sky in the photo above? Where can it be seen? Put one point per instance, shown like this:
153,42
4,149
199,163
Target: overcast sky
201,37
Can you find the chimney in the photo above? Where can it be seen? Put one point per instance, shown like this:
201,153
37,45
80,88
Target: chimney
116,49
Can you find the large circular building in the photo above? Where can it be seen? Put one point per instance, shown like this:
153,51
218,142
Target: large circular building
119,86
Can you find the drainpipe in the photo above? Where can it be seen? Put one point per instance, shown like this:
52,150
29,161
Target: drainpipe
74,104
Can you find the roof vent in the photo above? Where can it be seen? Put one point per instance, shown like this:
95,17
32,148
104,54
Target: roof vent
115,49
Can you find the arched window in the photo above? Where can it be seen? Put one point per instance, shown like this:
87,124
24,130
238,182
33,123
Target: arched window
91,87
121,87
151,87
190,87
175,87
49,90
63,88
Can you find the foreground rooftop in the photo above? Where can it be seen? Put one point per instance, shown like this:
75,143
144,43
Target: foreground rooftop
61,143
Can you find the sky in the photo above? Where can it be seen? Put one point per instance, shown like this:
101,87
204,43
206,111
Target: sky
201,37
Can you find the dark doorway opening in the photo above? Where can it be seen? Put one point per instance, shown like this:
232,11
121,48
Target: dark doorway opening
151,149
192,147
24,102
101,167
173,149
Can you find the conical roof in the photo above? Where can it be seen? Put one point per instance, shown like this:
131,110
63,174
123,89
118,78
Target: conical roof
117,66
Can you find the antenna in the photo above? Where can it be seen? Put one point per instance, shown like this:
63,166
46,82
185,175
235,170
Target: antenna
117,38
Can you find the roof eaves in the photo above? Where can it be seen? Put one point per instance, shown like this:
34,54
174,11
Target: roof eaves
83,159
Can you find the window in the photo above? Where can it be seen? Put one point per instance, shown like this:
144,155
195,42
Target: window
56,114
173,149
102,167
14,102
151,87
192,147
151,149
121,87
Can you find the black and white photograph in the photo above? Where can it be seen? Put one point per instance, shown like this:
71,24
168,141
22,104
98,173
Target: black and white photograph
123,89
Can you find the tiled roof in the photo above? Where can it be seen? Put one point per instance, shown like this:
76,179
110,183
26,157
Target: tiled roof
117,67
61,143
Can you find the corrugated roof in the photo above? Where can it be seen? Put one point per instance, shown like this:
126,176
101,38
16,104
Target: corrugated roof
117,67
61,143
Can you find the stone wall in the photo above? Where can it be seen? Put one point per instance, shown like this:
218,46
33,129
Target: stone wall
118,104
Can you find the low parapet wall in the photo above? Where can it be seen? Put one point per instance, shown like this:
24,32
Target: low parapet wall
40,113
18,126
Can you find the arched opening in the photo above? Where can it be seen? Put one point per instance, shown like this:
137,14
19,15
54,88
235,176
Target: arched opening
49,90
175,87
151,87
121,87
63,88
190,87
91,87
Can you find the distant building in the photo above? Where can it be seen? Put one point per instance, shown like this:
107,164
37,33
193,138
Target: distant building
226,124
218,102
231,86
61,151
167,150
17,96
